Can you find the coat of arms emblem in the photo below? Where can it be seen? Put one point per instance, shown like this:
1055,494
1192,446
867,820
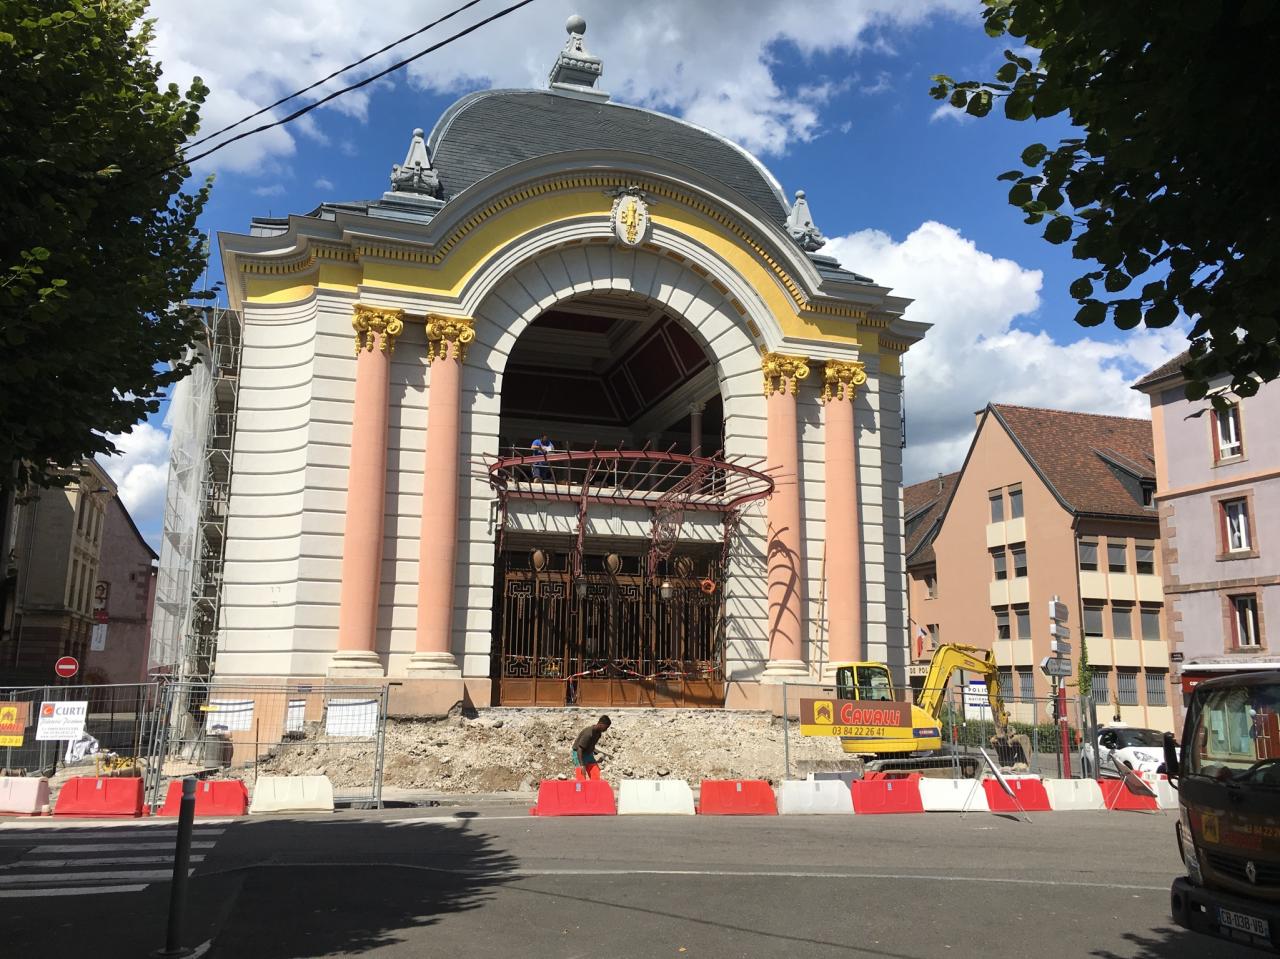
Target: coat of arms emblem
630,217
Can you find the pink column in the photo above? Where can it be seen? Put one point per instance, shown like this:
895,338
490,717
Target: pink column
784,557
447,339
843,530
376,332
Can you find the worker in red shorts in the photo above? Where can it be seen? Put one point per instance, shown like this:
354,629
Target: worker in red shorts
584,749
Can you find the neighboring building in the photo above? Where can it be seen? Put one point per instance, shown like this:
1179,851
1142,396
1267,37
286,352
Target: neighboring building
1047,503
547,261
922,508
1218,495
51,571
123,599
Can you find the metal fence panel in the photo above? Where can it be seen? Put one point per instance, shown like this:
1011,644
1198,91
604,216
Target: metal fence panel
244,730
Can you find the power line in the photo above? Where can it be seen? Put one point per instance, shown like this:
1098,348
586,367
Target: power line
355,86
336,73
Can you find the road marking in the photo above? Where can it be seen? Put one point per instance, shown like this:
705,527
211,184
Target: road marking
42,893
113,846
14,839
105,861
63,879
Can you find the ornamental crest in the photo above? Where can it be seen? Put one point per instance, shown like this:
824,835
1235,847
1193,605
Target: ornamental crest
630,217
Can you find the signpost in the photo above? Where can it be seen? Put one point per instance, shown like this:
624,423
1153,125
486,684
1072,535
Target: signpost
67,666
1058,669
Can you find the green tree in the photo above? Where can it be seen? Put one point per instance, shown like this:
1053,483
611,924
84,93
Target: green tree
1169,188
99,246
1084,673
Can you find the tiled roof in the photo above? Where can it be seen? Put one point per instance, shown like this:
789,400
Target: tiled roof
1167,371
927,500
1068,451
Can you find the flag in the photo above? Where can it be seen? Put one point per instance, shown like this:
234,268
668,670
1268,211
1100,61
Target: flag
921,635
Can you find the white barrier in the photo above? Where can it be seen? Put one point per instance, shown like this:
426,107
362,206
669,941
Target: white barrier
23,795
814,797
1166,795
953,795
292,794
655,797
1073,794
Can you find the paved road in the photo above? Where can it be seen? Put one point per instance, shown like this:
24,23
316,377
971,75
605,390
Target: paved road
491,882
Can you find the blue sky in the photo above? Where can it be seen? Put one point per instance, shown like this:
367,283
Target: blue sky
832,95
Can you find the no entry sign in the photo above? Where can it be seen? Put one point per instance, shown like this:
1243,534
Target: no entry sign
66,667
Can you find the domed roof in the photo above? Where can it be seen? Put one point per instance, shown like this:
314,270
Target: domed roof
490,130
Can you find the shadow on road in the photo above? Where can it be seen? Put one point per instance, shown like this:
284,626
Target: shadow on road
1171,942
281,893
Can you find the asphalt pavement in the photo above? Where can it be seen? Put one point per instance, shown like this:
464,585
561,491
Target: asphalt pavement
490,881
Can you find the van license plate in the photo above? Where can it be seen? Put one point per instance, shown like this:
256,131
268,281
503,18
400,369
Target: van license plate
1249,924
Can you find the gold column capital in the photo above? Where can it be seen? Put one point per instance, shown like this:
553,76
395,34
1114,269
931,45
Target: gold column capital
780,367
841,379
387,322
443,330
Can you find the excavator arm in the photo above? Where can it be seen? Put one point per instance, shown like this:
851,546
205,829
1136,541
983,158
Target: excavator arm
954,656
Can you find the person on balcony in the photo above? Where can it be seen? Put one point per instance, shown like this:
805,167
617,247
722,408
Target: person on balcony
542,471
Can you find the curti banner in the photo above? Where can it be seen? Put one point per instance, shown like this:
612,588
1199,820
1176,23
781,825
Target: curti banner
851,717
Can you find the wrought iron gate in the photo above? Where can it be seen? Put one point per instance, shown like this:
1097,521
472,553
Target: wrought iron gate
601,640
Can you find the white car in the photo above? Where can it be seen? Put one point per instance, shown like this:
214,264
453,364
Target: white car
1140,749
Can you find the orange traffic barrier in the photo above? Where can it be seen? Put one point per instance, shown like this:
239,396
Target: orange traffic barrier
101,797
1031,796
214,797
736,797
1116,795
574,797
887,796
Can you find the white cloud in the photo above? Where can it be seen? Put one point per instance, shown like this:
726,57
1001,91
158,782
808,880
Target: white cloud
275,189
976,353
945,111
141,472
692,57
323,184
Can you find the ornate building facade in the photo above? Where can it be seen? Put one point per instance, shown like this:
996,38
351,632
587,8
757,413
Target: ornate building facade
714,500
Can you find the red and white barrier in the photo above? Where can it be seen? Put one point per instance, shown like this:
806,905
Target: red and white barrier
23,795
1073,794
814,797
878,796
103,797
214,797
953,795
574,797
736,797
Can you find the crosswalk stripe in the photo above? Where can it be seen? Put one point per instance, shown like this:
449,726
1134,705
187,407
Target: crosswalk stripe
113,846
73,878
86,891
114,835
103,861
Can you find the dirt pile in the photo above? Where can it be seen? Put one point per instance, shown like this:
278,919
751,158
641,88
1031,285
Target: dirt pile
513,749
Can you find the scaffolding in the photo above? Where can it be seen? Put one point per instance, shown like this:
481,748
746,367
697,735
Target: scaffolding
202,420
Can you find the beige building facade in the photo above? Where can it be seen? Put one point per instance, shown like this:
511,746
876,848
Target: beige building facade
1047,503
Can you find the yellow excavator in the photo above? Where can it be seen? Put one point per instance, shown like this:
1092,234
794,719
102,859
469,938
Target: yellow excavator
918,727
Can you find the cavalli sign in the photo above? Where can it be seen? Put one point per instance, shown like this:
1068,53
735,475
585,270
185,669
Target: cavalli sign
851,717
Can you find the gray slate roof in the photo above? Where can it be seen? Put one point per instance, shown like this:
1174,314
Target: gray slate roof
487,131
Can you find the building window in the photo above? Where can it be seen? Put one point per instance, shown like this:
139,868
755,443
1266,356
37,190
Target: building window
1002,624
996,498
935,632
1026,684
1127,687
1015,502
1102,687
1150,623
1005,675
73,582
1118,556
1121,621
1227,430
1019,561
1245,633
1235,525
1088,554
1156,685
1000,563
1145,554
1093,621
1148,493
931,585
1022,616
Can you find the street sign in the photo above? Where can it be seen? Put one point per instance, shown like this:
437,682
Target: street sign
67,666
849,717
61,721
1060,646
1059,630
1052,666
1057,611
1175,657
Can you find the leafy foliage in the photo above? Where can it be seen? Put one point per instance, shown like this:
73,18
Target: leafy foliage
1084,672
1169,188
99,246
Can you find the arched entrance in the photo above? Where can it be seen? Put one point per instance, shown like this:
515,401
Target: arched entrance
617,508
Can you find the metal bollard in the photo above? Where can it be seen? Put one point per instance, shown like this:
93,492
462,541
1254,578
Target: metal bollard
181,861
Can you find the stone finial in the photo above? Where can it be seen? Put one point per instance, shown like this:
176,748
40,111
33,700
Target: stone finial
800,226
575,67
416,175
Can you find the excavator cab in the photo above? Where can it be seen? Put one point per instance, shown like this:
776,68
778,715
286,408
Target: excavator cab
864,681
